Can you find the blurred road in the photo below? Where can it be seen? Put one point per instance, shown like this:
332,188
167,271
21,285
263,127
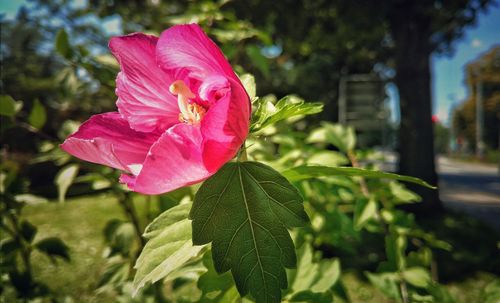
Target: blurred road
473,188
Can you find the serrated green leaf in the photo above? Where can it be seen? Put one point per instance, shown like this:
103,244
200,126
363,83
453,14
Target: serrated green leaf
53,247
62,44
268,113
8,106
38,115
64,179
365,210
169,246
244,210
417,276
304,172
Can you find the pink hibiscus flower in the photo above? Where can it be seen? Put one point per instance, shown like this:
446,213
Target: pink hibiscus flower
182,112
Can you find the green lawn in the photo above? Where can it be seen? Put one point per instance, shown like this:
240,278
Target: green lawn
79,223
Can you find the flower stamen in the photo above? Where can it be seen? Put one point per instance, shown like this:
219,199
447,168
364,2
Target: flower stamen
190,112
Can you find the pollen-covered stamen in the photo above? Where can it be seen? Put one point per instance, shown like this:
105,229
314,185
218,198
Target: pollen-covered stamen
191,113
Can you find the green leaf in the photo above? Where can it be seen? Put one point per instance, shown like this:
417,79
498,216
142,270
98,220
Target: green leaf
117,271
8,106
304,172
28,231
387,283
315,277
248,82
327,158
402,194
38,116
53,247
120,236
395,246
30,199
491,293
169,246
62,44
245,210
365,210
312,297
344,138
215,287
64,179
417,276
268,113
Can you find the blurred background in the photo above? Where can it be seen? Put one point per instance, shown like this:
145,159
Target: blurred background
419,81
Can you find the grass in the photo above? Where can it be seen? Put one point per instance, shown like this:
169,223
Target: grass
80,221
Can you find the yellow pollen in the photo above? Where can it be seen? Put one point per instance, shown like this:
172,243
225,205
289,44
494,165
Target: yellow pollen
190,113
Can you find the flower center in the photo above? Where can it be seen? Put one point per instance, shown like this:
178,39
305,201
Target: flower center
191,112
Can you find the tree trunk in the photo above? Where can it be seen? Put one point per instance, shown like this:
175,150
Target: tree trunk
413,79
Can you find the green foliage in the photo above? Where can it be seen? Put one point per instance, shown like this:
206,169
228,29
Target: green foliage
364,210
53,247
168,248
248,82
491,292
387,283
62,44
268,113
306,172
38,115
352,209
341,137
216,287
244,210
8,106
65,178
417,276
313,280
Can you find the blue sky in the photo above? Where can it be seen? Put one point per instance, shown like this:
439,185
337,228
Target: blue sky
448,71
449,78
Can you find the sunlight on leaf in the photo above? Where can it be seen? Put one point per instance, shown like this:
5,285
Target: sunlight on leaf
268,113
64,179
169,246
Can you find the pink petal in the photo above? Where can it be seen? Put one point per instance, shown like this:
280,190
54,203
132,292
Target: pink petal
174,161
225,127
187,47
107,139
141,86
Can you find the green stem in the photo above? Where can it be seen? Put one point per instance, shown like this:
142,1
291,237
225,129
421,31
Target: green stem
125,200
364,189
242,155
